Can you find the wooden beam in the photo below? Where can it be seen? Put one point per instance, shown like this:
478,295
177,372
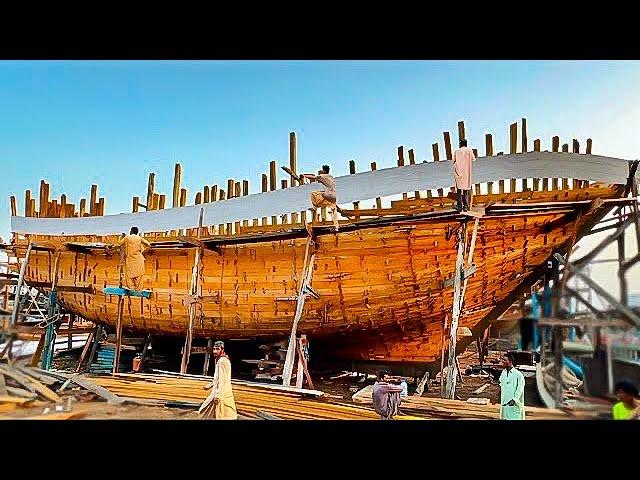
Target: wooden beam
447,145
14,207
93,200
589,144
525,146
461,134
206,196
150,190
177,180
136,202
83,207
488,149
293,157
162,200
183,197
27,203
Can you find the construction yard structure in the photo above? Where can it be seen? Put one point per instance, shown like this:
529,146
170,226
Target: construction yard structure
406,283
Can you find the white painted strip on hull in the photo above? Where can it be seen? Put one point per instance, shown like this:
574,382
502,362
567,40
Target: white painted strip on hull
350,188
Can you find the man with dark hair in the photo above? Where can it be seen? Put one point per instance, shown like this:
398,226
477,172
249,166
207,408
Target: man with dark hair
511,390
134,258
220,404
462,162
327,197
386,397
627,407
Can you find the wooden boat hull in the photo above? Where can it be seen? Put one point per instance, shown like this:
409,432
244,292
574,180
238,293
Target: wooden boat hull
381,285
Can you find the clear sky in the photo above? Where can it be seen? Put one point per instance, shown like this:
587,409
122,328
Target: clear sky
111,123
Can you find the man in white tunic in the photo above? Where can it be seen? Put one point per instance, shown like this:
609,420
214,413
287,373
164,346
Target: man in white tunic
511,390
463,159
220,404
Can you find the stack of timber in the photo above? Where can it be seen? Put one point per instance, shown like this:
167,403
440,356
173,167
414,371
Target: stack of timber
22,386
251,399
456,409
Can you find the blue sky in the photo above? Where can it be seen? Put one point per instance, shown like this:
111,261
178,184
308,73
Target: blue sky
111,123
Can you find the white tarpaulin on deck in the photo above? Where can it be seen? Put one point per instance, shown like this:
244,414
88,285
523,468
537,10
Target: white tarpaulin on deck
350,188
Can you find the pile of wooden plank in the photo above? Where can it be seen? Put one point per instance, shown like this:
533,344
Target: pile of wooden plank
456,409
252,400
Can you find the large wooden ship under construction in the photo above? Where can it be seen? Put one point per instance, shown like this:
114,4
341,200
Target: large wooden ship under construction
233,265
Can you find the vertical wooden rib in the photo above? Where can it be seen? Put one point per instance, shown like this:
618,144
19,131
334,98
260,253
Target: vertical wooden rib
63,206
221,230
27,203
589,142
488,151
265,188
374,167
555,143
101,206
447,149
513,146
245,192
461,134
14,206
565,181
352,171
576,149
237,193
32,208
177,180
155,201
183,197
401,164
134,207
436,158
150,189
83,207
93,198
52,209
293,156
536,181
206,194
273,184
412,161
198,199
525,146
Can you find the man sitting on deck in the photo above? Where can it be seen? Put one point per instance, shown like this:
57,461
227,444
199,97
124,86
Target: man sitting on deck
462,163
327,197
134,259
386,397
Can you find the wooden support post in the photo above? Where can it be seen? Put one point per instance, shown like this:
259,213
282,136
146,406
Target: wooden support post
116,360
436,158
307,274
622,278
194,291
450,387
70,335
302,363
488,151
207,357
85,349
52,312
16,299
150,190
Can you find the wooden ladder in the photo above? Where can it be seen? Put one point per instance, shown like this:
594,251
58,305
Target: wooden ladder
304,292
